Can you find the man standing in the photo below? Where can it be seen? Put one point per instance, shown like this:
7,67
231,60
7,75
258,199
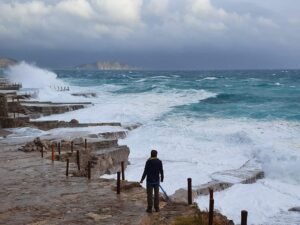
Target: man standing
152,170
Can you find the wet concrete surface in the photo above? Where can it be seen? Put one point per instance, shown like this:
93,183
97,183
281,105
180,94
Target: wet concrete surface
37,191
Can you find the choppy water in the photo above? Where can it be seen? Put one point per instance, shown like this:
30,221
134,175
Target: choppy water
250,94
200,122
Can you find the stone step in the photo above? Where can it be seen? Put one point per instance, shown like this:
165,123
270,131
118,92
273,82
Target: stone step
101,144
248,173
52,124
114,135
51,109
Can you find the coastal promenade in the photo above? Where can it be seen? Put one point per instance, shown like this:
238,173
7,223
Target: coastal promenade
36,191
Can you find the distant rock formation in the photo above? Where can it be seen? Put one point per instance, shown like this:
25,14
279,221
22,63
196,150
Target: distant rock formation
6,62
106,66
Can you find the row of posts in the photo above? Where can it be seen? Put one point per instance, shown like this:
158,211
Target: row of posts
58,88
89,163
244,213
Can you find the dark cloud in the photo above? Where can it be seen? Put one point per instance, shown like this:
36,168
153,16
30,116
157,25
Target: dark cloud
159,34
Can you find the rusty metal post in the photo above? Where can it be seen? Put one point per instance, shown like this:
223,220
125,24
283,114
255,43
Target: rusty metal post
85,144
59,151
89,170
67,169
123,170
53,155
189,180
211,212
118,183
244,215
78,160
72,146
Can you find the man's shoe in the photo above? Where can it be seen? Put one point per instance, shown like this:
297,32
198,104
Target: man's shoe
157,210
149,210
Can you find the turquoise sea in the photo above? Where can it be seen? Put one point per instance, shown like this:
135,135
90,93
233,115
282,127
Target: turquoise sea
257,94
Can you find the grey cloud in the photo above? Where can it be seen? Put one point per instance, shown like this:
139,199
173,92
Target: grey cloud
153,33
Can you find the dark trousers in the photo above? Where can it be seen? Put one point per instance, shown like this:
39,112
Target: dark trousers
150,189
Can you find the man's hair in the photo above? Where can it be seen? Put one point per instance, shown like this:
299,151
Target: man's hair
153,153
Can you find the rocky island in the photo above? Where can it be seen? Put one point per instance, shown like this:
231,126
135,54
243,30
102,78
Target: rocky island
102,65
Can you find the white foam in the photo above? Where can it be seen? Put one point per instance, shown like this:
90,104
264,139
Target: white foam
32,76
134,107
263,201
41,81
208,78
66,133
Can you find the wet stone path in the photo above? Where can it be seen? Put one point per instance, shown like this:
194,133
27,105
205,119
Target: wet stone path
36,191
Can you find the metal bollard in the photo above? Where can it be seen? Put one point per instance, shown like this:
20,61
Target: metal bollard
189,180
118,183
211,212
72,146
123,170
53,155
244,215
89,170
78,159
67,169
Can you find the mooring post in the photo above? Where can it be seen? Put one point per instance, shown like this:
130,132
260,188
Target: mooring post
72,146
42,151
123,170
89,170
189,180
118,183
244,215
78,159
59,151
211,207
53,155
85,144
67,169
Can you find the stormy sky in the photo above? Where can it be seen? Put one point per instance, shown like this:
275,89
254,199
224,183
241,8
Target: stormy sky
153,34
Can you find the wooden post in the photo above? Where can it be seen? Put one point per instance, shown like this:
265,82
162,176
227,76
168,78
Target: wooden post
42,151
85,144
244,215
211,193
72,146
123,170
53,155
189,180
118,183
89,170
67,169
211,212
59,151
78,160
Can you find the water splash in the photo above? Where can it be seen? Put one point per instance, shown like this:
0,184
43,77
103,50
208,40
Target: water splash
32,76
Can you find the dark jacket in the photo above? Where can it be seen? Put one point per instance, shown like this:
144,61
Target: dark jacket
152,170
